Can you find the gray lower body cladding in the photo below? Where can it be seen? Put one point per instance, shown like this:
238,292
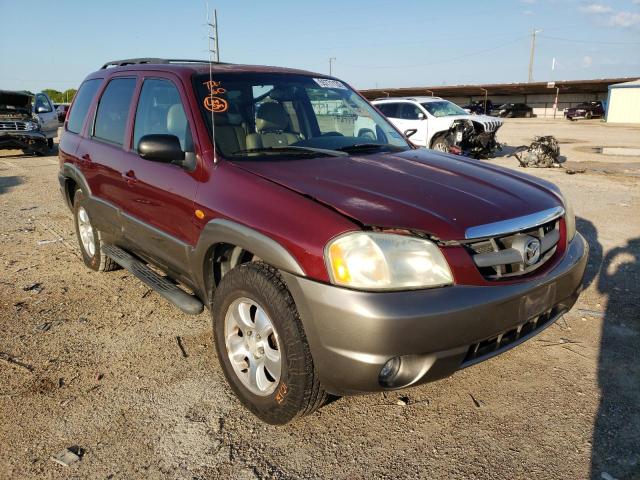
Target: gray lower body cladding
353,334
33,141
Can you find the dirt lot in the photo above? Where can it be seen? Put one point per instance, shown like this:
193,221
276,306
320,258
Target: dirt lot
105,371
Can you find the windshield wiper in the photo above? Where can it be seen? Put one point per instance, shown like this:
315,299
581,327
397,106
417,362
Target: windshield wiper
366,147
292,149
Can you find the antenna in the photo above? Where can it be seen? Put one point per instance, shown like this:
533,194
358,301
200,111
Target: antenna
212,36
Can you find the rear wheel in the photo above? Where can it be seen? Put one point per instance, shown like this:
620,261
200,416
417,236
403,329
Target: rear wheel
588,115
262,346
89,237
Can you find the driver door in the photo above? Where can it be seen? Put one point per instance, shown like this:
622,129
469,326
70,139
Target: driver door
411,117
47,116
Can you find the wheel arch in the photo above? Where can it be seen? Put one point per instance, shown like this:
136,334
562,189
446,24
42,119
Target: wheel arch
71,179
225,244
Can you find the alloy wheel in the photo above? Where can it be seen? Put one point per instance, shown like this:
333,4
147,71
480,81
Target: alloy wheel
253,346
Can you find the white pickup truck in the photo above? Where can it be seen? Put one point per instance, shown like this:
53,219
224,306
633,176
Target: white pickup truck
432,118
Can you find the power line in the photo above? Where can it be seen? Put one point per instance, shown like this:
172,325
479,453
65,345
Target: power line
587,41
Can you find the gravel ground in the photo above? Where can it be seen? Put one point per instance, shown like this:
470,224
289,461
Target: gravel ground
102,369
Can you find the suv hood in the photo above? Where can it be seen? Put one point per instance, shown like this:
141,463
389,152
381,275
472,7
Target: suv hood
417,190
15,105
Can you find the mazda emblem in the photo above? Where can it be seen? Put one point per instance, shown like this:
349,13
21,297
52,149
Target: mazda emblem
532,251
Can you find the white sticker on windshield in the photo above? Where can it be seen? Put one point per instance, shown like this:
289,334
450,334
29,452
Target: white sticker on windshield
328,83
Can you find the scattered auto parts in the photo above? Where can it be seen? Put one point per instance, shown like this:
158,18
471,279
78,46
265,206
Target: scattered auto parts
544,152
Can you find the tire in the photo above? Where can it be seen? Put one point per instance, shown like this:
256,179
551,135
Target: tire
50,143
439,144
588,115
297,391
89,240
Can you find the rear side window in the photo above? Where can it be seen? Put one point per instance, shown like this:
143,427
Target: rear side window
81,104
113,110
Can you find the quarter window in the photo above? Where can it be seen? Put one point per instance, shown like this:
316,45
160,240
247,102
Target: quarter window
113,110
160,111
81,104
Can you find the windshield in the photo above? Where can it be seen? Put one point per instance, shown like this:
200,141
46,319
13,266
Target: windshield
443,108
277,114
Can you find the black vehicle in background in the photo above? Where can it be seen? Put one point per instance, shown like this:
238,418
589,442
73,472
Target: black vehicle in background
511,110
479,107
585,110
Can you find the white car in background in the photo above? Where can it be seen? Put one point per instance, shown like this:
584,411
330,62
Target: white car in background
432,118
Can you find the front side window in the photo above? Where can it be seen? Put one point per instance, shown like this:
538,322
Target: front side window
81,104
113,110
43,103
262,114
409,111
443,108
160,111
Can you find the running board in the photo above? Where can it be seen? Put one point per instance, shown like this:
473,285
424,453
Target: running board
189,304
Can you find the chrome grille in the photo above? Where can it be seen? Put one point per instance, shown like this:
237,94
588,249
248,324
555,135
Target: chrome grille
516,254
20,126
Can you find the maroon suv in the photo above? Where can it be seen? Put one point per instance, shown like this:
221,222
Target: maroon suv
335,257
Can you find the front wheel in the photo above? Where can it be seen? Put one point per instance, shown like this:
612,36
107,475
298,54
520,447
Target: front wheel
588,116
262,346
440,145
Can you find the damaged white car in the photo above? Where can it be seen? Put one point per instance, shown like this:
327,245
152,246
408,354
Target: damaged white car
441,125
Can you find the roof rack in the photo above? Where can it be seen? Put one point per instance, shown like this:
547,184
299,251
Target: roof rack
138,61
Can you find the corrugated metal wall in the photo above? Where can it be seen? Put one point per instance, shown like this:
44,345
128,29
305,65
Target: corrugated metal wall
624,105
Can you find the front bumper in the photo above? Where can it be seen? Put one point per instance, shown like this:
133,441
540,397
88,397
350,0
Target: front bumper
352,334
32,141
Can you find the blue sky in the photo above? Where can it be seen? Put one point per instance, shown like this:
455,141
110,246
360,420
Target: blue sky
375,43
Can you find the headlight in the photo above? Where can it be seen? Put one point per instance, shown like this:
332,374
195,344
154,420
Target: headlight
384,261
569,219
31,126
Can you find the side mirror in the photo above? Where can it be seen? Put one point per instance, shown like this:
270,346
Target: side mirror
422,116
409,132
42,109
160,148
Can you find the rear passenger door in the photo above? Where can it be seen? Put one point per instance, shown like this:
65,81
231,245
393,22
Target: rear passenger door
101,155
162,194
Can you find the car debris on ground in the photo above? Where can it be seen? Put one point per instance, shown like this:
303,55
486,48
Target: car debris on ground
544,152
12,360
68,456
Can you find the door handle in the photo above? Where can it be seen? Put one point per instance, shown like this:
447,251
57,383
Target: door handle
130,177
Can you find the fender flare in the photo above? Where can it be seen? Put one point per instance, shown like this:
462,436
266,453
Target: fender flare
221,230
71,172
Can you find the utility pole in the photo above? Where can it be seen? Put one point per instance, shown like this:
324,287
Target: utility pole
213,35
533,52
331,60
